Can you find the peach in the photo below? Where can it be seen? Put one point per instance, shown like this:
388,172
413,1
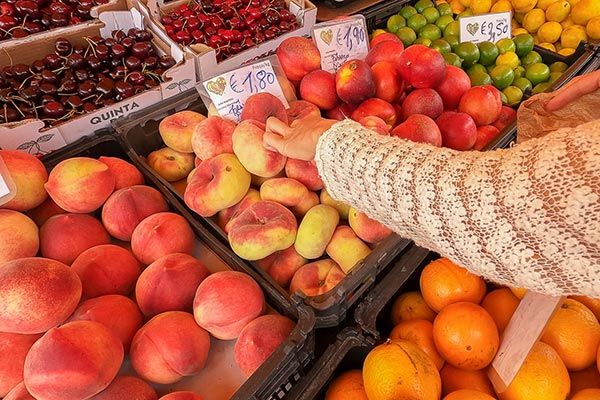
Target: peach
419,128
286,191
126,174
229,214
305,172
354,82
299,109
459,131
260,106
169,284
259,339
423,101
375,124
261,230
29,176
161,234
80,184
485,134
341,207
248,147
13,349
118,313
19,236
387,50
455,84
19,392
306,203
316,278
127,388
212,137
388,82
170,164
74,361
256,180
182,395
64,237
106,269
506,117
42,293
218,183
318,87
282,265
227,301
298,56
422,67
341,112
315,231
346,249
366,228
384,37
482,103
377,108
176,130
47,209
127,207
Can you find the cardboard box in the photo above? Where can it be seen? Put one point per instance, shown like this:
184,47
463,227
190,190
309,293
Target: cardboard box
205,57
30,135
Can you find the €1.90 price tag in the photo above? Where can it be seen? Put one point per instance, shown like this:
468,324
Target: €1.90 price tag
229,91
485,27
340,41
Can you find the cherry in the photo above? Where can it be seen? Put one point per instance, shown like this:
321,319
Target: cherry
9,114
124,89
272,16
88,107
32,27
81,75
150,83
21,71
47,98
269,34
150,62
259,37
30,93
7,22
19,33
216,22
118,51
102,51
68,86
237,36
166,20
178,24
37,66
135,78
7,9
83,11
74,101
193,23
182,37
142,49
116,62
53,61
118,72
27,8
198,36
57,20
105,86
49,76
86,89
94,62
166,62
62,47
110,42
235,48
76,61
53,109
118,35
48,88
57,7
128,42
210,31
133,63
247,43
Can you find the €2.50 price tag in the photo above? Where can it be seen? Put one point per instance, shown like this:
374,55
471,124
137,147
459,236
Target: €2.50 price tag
229,91
485,27
341,40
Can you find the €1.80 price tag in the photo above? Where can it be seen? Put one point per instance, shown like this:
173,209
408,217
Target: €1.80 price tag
341,40
229,91
485,27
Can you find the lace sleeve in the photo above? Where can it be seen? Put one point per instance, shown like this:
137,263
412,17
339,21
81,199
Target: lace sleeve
528,216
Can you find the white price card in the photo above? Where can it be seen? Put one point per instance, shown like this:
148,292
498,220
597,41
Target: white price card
229,91
7,186
341,40
485,27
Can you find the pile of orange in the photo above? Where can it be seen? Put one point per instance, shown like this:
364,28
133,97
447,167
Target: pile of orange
446,336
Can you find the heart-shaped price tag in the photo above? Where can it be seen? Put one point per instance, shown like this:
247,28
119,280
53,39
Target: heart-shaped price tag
327,36
473,28
341,40
485,27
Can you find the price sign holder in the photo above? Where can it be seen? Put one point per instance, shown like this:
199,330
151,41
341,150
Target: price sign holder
341,40
228,92
8,190
485,27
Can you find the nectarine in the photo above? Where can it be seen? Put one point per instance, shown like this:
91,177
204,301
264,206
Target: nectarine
419,128
298,56
318,87
354,82
19,236
29,176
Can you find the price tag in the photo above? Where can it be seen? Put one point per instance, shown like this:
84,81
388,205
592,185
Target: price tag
485,27
7,186
341,40
229,91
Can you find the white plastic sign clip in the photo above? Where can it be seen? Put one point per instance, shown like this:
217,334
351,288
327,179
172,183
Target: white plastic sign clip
8,189
341,40
485,27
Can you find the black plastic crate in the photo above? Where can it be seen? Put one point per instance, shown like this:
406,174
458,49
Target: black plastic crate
287,364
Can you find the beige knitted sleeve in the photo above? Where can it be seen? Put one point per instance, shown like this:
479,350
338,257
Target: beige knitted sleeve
528,216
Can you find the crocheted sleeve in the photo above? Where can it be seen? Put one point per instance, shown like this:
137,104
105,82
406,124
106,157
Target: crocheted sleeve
528,216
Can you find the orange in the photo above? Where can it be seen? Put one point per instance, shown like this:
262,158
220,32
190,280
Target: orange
585,379
519,292
411,305
467,394
466,336
574,332
598,359
420,332
501,304
347,386
398,369
592,304
443,283
587,394
454,379
543,375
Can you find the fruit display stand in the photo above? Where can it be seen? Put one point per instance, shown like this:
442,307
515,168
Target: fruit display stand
39,136
220,378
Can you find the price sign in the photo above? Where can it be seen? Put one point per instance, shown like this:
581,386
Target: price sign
485,27
340,41
7,186
229,91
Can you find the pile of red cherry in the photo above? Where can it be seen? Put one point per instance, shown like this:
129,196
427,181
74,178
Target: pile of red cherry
20,18
229,26
78,79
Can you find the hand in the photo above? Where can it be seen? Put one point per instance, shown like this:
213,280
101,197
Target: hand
578,87
299,140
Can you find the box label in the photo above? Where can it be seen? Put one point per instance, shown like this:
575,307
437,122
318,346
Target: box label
341,41
485,27
229,91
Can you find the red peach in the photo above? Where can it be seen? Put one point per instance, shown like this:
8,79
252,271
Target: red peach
388,82
453,87
106,269
169,284
366,228
161,234
459,131
299,109
249,149
47,209
419,128
506,117
226,216
377,108
177,129
282,265
19,236
64,237
387,50
384,37
227,301
423,101
318,87
127,388
181,396
298,56
126,174
212,137
259,339
29,176
170,164
13,349
422,67
317,278
19,392
260,106
375,124
286,191
482,103
354,82
485,134
304,172
74,361
341,112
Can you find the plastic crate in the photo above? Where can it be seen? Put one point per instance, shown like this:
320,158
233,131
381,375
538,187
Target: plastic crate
287,364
